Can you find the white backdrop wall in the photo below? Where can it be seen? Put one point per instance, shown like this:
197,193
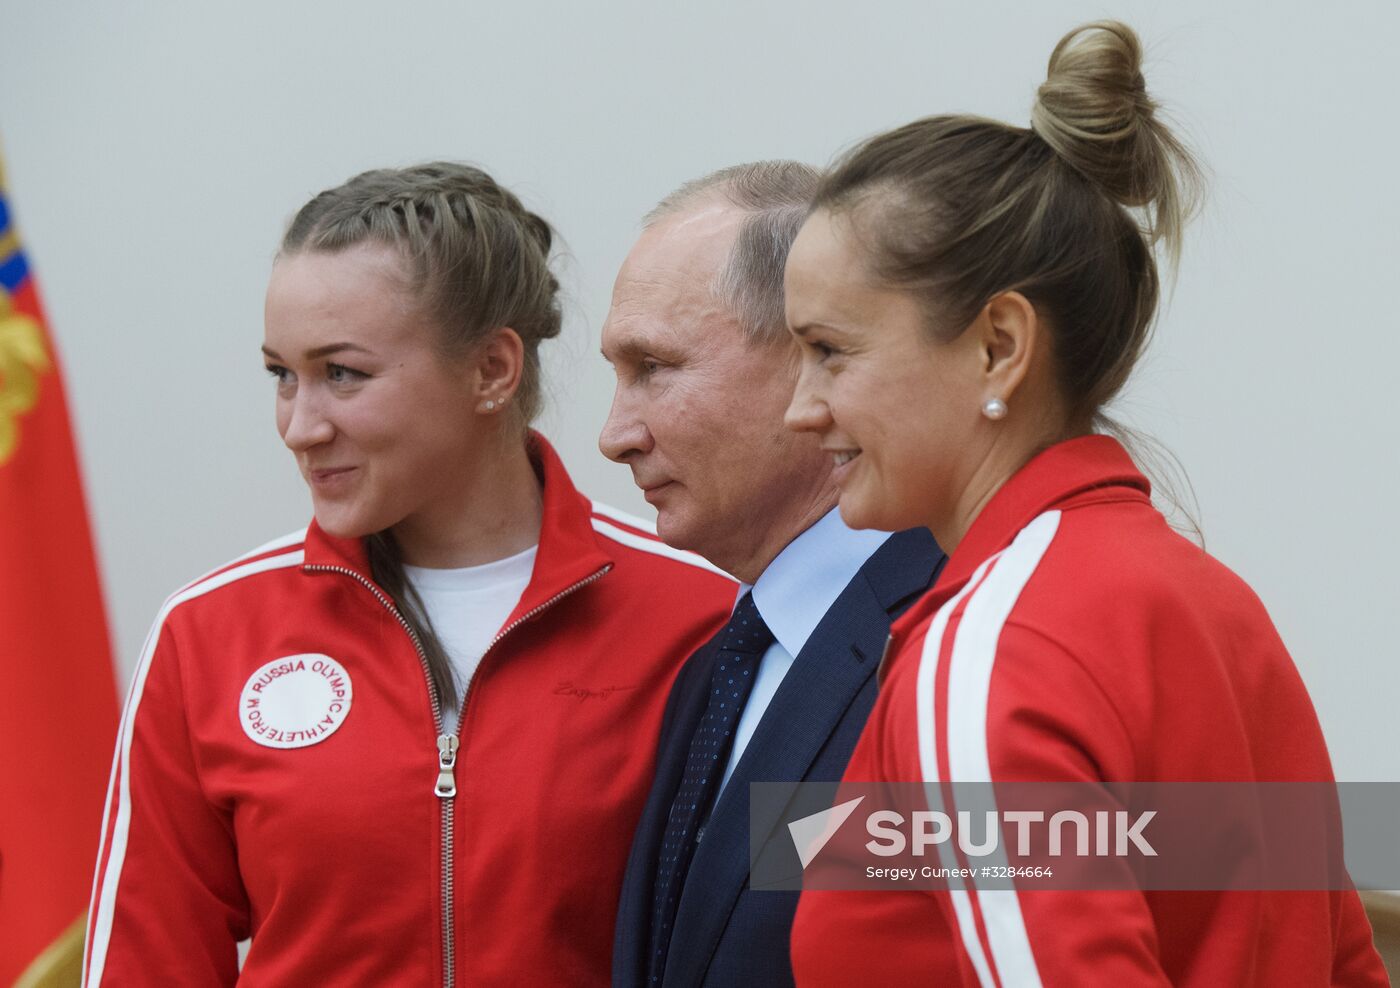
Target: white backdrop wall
156,150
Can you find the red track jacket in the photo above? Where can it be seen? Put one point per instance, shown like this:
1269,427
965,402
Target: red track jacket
279,772
1107,648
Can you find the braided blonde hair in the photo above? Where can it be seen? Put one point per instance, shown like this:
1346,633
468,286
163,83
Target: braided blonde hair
478,260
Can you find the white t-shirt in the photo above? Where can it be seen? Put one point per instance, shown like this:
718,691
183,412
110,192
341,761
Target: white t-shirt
467,607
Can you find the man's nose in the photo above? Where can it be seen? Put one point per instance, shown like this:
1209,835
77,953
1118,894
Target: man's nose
625,432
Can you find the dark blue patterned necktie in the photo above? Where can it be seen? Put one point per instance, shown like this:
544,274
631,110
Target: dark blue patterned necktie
746,638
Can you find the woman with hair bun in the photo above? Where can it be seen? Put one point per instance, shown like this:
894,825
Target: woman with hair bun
401,746
968,296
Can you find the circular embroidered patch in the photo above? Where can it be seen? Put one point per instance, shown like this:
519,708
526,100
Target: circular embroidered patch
295,701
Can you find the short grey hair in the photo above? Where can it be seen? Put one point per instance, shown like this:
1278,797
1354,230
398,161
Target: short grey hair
777,195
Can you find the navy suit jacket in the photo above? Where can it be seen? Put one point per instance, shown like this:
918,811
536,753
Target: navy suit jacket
727,933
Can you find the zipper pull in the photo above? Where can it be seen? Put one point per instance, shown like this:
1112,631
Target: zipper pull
447,761
884,662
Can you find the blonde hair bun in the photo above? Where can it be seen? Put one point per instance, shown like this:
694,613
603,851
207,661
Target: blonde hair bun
1095,113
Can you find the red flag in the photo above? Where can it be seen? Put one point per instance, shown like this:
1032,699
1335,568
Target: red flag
58,705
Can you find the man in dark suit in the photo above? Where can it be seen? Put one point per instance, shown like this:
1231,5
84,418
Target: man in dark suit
705,369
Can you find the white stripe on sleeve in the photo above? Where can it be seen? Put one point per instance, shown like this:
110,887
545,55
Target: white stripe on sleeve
616,514
105,885
654,546
928,757
969,686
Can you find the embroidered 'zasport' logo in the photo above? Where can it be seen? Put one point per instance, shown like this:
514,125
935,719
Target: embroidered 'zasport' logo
295,701
567,688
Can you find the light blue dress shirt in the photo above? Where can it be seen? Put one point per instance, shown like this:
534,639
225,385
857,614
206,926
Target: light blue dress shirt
793,595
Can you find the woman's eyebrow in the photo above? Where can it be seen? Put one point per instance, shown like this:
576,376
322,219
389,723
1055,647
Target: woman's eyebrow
316,353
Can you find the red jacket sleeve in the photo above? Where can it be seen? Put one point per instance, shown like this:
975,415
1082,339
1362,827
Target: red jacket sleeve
1044,718
168,905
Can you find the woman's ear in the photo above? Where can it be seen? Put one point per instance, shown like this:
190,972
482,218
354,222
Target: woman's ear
1009,335
497,366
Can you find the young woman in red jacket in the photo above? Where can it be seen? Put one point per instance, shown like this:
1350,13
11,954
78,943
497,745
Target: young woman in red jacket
407,745
968,295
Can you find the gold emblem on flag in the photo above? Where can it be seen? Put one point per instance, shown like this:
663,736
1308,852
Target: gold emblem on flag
22,359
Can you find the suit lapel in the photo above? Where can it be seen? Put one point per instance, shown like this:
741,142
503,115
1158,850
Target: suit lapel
837,661
635,910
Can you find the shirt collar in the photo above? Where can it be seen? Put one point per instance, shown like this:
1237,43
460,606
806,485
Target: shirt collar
797,589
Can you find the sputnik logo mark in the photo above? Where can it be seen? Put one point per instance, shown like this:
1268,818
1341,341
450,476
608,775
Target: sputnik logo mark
811,833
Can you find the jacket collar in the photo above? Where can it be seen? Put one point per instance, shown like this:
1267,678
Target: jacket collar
569,552
1081,470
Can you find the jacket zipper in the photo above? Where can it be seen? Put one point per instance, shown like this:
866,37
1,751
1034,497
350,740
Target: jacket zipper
536,610
445,787
446,753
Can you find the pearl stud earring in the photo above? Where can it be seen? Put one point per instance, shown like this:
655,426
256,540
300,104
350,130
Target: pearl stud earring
994,409
490,406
